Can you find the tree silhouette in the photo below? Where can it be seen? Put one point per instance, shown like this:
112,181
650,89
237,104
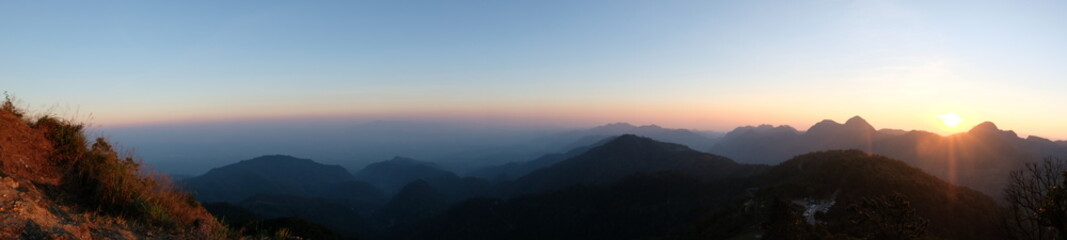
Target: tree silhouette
1053,210
1027,193
887,217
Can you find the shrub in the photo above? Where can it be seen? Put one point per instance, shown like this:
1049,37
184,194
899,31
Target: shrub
98,178
9,106
67,139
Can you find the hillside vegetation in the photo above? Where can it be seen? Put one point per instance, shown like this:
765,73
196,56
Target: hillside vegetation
58,184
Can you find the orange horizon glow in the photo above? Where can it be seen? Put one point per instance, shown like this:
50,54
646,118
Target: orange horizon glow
944,124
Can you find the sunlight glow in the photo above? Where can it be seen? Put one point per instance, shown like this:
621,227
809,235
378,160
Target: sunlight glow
951,120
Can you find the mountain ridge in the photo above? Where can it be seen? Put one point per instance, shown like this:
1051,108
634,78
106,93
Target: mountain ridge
279,174
981,156
625,155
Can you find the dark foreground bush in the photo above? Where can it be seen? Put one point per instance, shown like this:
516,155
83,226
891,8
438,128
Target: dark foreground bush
95,177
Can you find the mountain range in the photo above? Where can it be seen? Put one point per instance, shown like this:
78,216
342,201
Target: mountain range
394,174
980,158
569,144
626,155
280,174
636,187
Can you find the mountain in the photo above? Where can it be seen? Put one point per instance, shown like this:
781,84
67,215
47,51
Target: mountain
569,144
392,175
280,174
749,144
855,132
514,170
852,195
414,203
579,138
56,183
980,158
626,155
770,145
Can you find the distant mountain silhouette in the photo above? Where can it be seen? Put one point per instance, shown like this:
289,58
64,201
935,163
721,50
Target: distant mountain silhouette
514,170
771,145
626,155
280,174
392,175
979,158
569,144
750,144
581,138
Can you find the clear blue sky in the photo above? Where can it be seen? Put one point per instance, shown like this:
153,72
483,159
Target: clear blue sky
694,64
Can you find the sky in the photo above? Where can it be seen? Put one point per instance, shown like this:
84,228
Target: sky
711,65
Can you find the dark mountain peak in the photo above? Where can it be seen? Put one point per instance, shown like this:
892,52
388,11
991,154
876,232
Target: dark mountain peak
630,137
417,201
279,164
857,121
859,124
824,124
990,129
392,175
986,126
674,135
631,141
274,174
785,129
626,155
853,125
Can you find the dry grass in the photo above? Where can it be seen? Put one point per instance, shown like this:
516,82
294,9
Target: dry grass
94,177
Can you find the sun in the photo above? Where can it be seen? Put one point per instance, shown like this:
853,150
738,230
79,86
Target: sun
951,120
